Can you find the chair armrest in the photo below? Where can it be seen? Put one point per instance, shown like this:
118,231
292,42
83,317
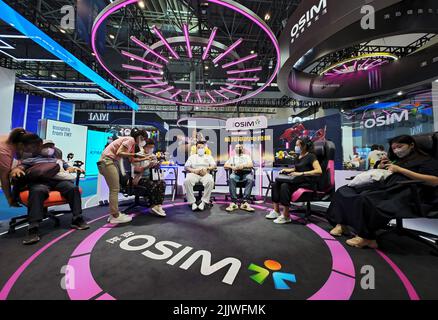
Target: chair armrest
411,182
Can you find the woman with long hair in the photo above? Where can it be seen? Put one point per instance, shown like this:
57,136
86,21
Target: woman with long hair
369,208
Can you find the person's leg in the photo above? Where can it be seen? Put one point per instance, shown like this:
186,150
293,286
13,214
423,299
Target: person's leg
234,178
71,193
38,193
275,195
189,183
111,174
249,184
208,183
286,191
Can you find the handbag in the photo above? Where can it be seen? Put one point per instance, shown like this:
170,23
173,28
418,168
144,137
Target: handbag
42,171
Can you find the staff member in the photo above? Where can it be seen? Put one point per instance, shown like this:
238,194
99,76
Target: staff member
9,147
123,147
305,173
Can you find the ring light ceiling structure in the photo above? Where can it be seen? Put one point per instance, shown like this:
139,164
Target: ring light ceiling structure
170,65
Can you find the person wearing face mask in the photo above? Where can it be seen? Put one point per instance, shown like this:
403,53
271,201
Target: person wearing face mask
241,165
123,147
39,189
305,173
368,208
143,177
199,167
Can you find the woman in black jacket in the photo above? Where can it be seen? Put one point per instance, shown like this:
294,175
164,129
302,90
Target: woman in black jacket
369,208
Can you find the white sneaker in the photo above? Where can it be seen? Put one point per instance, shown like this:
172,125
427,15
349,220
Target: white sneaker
161,209
272,215
232,207
282,220
247,207
194,206
110,217
201,206
158,211
122,218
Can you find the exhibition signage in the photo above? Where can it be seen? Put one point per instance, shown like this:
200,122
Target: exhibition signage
250,123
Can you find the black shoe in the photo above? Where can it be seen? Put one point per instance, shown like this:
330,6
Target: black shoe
79,224
32,236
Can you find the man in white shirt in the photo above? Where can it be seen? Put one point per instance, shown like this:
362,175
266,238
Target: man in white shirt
199,167
241,166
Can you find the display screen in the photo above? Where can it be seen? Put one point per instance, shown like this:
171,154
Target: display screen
96,142
69,138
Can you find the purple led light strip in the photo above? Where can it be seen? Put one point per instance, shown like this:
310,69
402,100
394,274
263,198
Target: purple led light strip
175,94
244,70
231,91
221,95
154,85
244,79
239,86
226,52
135,68
133,56
158,33
187,36
199,97
233,63
144,78
146,47
210,41
187,96
164,90
210,96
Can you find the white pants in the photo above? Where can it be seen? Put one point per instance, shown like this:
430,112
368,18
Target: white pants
192,179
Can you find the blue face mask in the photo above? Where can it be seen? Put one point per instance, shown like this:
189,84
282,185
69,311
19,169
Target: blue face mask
297,150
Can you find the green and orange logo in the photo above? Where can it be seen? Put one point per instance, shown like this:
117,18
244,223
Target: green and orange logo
280,278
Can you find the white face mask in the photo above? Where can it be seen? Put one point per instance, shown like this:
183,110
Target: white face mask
402,152
149,151
201,152
142,143
47,152
297,150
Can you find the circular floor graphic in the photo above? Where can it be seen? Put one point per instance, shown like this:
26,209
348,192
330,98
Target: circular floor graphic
204,255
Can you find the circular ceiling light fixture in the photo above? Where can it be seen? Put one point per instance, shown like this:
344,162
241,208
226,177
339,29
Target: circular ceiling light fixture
363,62
145,74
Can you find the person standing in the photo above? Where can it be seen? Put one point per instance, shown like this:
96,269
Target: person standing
123,147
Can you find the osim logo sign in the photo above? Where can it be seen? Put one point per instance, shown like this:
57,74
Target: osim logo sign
306,19
385,120
164,250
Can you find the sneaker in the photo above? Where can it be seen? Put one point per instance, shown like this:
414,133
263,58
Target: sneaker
160,208
32,236
122,218
156,210
338,231
282,220
361,243
232,207
247,207
272,215
79,224
194,207
201,206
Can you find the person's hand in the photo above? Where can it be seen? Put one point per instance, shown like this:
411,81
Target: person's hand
13,203
393,168
202,172
383,163
295,174
287,171
75,170
17,173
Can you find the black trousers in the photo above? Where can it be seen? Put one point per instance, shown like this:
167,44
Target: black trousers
39,192
156,190
282,191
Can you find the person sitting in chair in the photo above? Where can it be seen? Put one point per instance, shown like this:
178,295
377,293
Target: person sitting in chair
371,207
199,167
35,154
305,175
144,177
241,166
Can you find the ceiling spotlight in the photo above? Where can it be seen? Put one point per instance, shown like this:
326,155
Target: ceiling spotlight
376,102
132,59
112,36
54,76
436,80
141,4
62,31
400,93
93,54
271,64
25,75
267,16
252,52
206,67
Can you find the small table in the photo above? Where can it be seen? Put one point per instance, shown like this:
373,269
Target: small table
269,171
172,182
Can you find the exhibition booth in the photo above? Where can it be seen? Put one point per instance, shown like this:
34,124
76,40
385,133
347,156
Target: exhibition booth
191,81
